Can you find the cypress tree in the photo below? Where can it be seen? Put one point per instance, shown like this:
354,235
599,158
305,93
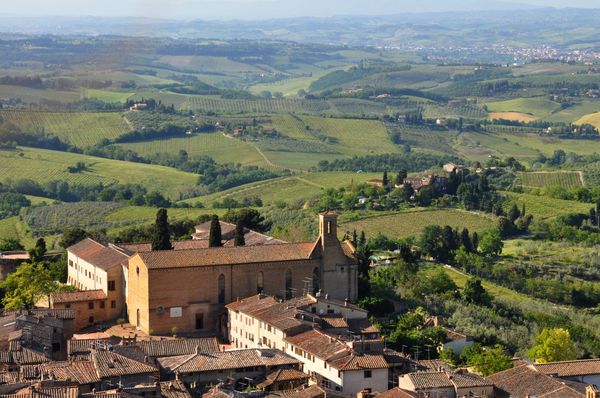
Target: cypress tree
238,239
161,238
385,179
214,237
475,241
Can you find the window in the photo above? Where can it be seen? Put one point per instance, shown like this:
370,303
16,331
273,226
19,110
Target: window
91,320
199,321
111,285
91,305
113,304
221,289
67,305
368,374
70,263
102,304
137,271
316,280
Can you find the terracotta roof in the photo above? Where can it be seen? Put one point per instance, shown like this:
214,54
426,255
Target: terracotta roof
429,380
397,393
319,344
434,365
359,362
45,392
9,377
111,364
362,326
174,389
170,348
584,367
334,321
469,380
226,255
86,248
97,254
283,375
79,347
524,380
196,363
313,391
80,372
75,297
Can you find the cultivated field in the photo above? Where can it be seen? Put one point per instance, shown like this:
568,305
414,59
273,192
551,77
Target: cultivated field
81,129
537,107
544,207
407,224
43,166
565,179
593,119
516,116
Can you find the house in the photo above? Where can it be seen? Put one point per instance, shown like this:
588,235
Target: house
10,260
188,289
525,381
376,182
89,306
334,340
456,341
442,384
452,168
97,267
138,107
206,368
584,371
284,379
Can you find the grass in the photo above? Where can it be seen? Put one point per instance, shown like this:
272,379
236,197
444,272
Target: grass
538,106
222,149
407,224
146,215
575,112
38,200
566,179
107,95
593,119
43,165
14,227
289,87
544,207
81,129
32,95
516,116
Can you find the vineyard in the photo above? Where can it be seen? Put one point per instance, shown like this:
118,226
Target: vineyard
591,174
237,106
467,111
407,224
565,179
46,220
42,166
81,129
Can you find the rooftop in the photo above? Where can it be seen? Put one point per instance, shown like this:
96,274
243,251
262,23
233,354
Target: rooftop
75,297
525,380
429,380
97,254
584,367
176,347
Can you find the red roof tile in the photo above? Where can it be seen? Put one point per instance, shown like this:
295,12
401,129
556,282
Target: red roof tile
74,297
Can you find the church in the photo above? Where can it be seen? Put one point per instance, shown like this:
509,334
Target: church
187,290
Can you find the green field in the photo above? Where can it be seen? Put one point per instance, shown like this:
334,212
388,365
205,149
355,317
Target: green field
536,106
575,112
43,165
407,224
566,179
138,215
81,129
32,95
544,207
107,96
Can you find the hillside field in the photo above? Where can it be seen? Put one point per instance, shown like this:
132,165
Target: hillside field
43,165
565,179
81,129
407,224
544,207
538,107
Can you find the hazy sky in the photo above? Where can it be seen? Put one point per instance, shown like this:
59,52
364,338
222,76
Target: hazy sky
257,9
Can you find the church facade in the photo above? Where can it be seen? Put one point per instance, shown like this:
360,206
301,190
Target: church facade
187,290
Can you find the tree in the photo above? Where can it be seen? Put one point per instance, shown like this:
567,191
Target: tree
10,244
385,180
161,237
514,213
37,253
490,360
407,192
26,286
465,240
238,238
475,293
491,243
475,242
72,236
214,237
401,176
553,345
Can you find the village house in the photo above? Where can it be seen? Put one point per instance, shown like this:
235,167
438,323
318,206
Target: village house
334,340
585,371
441,384
188,289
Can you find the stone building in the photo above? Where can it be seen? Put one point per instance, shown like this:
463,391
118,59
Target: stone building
188,289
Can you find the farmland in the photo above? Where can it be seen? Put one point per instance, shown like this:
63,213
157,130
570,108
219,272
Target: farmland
593,119
43,165
81,129
516,116
46,220
537,107
407,224
544,207
565,179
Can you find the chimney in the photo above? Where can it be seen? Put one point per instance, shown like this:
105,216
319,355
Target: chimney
346,302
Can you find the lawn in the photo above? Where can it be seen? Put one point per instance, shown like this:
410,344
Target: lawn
566,179
43,165
407,224
81,129
543,207
537,106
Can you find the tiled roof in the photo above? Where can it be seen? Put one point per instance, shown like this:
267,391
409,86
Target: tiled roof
86,248
78,347
132,248
319,344
9,377
359,362
362,326
74,297
283,375
429,380
173,389
45,392
397,393
80,372
97,254
26,356
226,360
176,347
281,315
435,365
313,391
334,321
584,367
226,255
469,380
111,364
523,380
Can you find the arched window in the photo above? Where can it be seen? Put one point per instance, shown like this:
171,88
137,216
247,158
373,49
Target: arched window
316,280
288,283
221,289
260,282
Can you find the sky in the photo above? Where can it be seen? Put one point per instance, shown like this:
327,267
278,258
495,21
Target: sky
261,9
